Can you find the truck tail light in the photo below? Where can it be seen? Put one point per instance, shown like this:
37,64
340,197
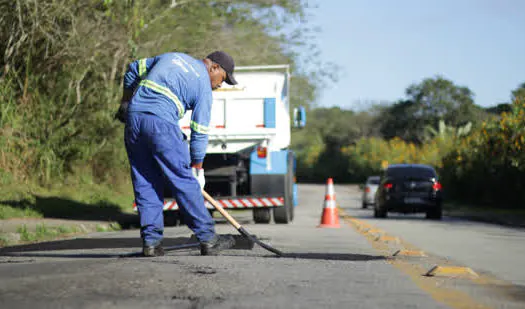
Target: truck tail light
367,189
262,152
437,186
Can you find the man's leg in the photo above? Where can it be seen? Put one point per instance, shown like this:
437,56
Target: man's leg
147,180
186,189
171,154
188,194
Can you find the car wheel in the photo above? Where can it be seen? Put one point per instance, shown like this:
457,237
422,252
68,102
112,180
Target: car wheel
435,214
379,212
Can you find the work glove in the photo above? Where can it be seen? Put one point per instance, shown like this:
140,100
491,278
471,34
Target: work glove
122,113
198,173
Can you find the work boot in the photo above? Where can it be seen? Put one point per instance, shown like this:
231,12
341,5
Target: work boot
216,244
152,251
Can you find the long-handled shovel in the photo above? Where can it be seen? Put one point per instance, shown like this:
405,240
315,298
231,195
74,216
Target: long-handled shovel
236,224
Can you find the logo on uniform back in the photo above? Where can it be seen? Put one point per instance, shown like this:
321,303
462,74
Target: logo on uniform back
178,62
184,65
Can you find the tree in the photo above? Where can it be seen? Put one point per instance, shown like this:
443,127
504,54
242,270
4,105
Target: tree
427,103
62,63
319,145
499,109
519,93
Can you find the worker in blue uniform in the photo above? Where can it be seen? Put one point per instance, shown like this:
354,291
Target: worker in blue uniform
158,91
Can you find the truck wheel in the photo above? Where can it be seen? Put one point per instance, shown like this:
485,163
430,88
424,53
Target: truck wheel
262,215
172,218
281,214
284,214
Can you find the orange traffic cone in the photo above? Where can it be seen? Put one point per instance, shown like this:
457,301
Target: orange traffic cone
330,217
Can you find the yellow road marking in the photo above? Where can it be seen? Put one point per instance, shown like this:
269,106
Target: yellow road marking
410,253
429,284
451,271
389,239
450,297
374,231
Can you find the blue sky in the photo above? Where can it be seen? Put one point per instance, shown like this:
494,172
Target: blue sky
383,46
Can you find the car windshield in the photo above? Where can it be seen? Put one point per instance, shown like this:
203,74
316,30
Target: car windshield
373,181
409,172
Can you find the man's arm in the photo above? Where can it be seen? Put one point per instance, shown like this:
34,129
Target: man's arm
199,124
136,71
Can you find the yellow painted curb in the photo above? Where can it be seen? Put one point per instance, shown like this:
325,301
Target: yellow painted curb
451,271
387,238
364,228
374,231
363,225
355,221
409,253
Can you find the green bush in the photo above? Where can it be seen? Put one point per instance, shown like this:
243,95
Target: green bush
489,165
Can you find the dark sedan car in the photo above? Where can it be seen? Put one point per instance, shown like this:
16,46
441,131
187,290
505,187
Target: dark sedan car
409,188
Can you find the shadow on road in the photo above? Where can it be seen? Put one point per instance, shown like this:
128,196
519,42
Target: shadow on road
334,256
61,208
53,248
86,244
50,249
360,213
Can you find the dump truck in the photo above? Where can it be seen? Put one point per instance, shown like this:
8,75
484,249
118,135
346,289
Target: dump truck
248,164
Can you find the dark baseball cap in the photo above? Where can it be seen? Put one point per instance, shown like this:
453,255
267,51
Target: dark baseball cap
226,62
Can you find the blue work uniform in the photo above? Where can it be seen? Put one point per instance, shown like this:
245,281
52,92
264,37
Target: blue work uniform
165,88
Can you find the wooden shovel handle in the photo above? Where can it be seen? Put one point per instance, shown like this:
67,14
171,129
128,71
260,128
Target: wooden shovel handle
219,208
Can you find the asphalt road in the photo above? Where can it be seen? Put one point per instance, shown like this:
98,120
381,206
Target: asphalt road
323,268
491,248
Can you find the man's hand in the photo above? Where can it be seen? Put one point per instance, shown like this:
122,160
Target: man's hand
198,173
122,112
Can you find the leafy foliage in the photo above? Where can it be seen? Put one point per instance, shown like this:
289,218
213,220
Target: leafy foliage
62,64
488,166
428,102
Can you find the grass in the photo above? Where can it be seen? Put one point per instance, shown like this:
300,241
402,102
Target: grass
4,240
78,201
43,232
7,212
113,226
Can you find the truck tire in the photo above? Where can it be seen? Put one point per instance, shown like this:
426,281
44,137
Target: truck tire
262,215
285,214
172,218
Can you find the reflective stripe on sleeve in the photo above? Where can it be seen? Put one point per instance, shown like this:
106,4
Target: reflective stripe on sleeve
165,91
199,128
142,67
